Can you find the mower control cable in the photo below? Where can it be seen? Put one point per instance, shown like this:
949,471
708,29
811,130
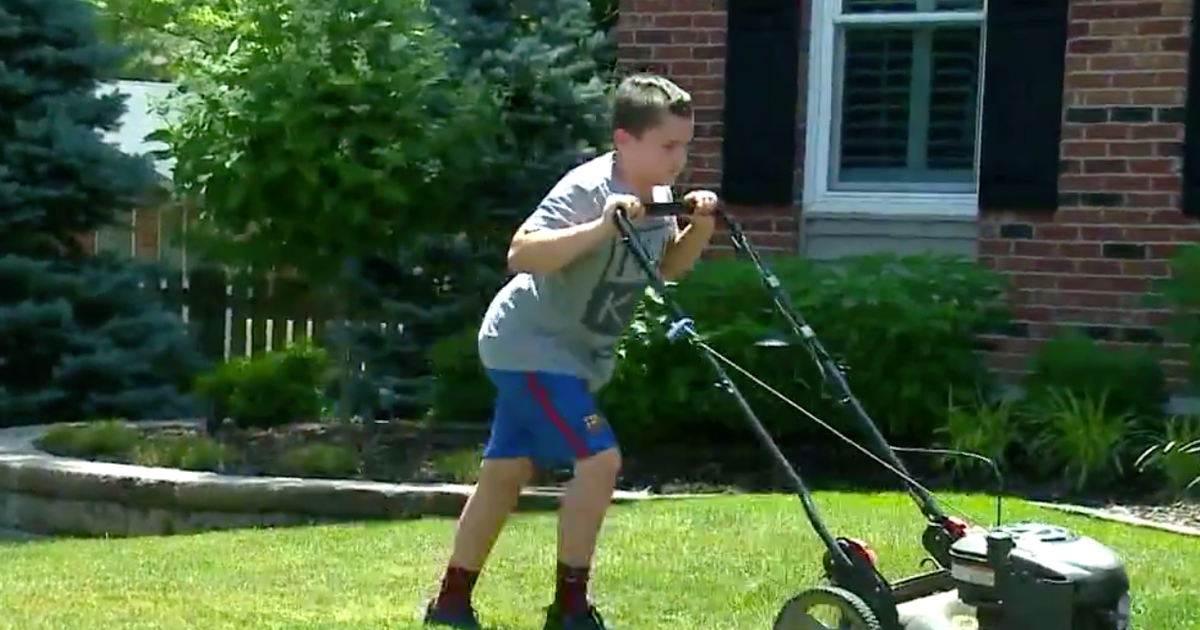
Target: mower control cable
842,436
831,372
682,327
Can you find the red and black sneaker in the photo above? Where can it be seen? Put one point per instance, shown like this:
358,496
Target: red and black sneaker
461,617
559,619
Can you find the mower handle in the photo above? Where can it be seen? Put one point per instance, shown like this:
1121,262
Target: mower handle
673,209
667,208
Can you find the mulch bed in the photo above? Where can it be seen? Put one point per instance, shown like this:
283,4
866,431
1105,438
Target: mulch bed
388,451
400,451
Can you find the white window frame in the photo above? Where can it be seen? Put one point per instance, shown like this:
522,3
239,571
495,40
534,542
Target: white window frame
820,133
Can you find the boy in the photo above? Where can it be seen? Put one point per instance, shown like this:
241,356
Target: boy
547,342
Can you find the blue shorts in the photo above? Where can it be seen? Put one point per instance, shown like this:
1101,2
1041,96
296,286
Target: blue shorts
550,418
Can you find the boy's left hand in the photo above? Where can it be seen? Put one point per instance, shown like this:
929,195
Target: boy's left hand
704,208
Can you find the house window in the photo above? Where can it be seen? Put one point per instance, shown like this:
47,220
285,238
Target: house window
894,101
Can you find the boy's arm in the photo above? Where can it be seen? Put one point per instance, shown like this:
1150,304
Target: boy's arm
564,226
682,252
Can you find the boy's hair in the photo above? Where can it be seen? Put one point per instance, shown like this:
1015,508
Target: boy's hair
642,100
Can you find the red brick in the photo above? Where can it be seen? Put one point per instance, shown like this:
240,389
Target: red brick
1100,267
1056,232
1089,46
1166,26
1084,148
1130,149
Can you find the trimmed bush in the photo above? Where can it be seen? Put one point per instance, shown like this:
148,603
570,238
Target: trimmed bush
905,326
1130,379
276,388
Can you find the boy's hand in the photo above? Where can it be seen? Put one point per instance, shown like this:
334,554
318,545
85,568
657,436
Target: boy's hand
704,208
629,203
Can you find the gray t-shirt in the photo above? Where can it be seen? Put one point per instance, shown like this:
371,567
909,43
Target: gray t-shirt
568,322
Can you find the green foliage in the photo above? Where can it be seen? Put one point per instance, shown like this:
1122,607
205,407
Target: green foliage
1181,294
1085,436
1130,379
461,389
905,327
118,440
81,340
272,389
549,64
986,427
101,439
460,466
1176,455
436,287
883,316
60,177
329,461
185,452
324,130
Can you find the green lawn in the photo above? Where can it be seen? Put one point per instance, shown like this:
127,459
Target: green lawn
707,563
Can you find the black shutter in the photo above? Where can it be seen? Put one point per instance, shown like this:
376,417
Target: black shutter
762,93
1021,134
1191,124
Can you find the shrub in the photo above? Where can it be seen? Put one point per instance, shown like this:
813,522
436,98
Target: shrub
904,326
186,452
330,461
1084,436
985,427
1130,379
461,466
1181,294
276,388
461,389
102,439
1176,455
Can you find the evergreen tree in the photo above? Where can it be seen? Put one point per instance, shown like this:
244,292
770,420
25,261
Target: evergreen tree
80,337
550,62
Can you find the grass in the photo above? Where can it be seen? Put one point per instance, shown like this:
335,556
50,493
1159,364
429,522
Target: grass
721,563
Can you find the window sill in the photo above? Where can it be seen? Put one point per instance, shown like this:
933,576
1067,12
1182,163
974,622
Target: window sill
893,204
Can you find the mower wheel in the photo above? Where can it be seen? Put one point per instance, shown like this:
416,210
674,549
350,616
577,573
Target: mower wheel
826,608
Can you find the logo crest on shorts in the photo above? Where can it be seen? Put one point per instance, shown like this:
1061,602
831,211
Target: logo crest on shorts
593,422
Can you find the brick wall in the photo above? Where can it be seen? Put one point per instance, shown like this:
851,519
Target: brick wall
684,40
1091,262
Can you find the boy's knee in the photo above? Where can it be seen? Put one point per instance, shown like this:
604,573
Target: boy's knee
605,464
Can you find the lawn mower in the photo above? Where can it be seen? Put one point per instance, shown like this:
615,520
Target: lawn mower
1021,576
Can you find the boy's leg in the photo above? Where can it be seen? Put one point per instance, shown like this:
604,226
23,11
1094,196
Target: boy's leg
505,470
571,429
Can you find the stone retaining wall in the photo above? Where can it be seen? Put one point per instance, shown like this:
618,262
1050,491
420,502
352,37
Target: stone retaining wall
46,494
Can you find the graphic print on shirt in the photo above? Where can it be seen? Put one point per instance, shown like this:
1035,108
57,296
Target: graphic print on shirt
621,285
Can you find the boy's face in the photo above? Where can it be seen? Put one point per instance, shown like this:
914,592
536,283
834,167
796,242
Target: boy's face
659,155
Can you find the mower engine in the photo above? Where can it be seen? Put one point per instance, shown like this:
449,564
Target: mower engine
1033,576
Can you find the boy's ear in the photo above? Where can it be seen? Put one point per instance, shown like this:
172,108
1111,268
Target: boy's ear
622,137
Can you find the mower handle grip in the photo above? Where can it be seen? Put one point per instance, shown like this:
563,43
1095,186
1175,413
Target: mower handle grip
666,209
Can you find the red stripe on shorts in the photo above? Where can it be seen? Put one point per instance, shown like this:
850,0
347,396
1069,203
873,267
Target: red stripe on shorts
543,400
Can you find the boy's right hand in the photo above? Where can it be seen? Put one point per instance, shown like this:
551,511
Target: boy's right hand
629,203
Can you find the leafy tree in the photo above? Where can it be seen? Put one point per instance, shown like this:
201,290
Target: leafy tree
326,130
79,337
